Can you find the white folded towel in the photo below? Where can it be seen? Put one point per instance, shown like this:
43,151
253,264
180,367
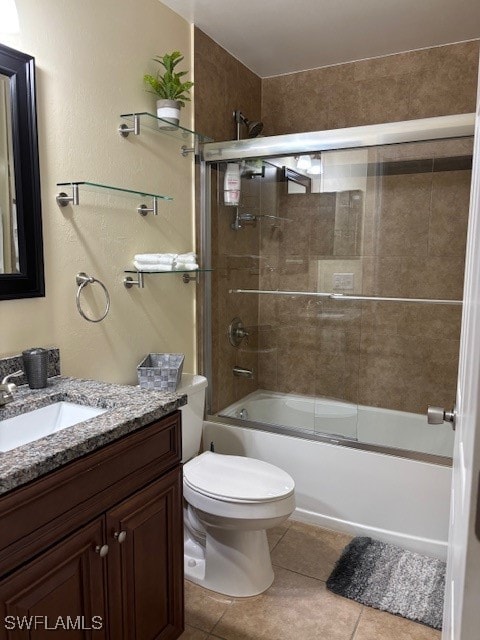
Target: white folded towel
187,257
186,266
155,258
141,266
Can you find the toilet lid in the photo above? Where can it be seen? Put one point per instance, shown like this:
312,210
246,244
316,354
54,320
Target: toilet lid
237,478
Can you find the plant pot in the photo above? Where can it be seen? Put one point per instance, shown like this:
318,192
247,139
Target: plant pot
168,110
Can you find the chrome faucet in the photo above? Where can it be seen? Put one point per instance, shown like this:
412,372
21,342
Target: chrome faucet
240,372
7,388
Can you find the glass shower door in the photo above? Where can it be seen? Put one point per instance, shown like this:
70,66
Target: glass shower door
346,269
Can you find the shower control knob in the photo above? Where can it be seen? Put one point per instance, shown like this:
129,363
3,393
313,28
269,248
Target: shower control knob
236,332
438,415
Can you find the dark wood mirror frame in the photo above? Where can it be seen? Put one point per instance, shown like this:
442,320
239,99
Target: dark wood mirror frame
29,283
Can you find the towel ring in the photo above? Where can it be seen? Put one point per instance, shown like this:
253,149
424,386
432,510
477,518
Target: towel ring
82,280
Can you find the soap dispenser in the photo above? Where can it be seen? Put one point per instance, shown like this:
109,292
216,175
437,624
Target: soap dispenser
231,187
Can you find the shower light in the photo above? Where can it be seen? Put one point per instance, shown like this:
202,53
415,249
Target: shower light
304,163
8,17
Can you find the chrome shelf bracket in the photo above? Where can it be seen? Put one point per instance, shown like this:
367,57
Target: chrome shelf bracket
63,199
124,129
143,209
151,121
188,277
184,150
129,282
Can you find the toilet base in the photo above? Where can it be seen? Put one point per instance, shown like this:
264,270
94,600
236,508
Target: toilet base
235,563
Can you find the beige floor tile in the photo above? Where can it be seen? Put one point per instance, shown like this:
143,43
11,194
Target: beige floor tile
191,633
276,534
309,550
378,625
203,608
295,607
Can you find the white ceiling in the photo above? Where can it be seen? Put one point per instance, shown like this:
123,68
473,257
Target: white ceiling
272,37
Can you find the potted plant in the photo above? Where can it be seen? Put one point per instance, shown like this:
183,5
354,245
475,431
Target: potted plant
170,88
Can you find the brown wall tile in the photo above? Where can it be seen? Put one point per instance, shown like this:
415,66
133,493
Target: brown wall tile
406,86
409,235
449,213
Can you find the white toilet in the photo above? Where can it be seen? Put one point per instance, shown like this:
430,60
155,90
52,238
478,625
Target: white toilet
230,502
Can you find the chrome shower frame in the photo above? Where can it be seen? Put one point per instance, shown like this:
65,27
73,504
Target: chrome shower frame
422,130
456,126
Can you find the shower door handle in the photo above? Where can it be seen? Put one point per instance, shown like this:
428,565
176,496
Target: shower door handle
438,415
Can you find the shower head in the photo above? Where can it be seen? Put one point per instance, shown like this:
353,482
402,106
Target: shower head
254,128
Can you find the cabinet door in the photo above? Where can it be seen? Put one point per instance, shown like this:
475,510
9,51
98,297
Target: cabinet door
145,566
63,589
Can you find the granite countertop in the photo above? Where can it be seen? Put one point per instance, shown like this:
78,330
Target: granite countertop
128,409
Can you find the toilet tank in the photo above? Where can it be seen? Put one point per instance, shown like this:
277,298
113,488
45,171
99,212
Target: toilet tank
192,413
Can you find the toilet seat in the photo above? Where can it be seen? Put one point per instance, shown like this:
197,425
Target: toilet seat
236,479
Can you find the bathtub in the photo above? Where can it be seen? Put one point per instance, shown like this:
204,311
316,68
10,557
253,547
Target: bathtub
368,425
360,470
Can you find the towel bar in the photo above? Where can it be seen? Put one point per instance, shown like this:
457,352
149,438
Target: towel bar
342,296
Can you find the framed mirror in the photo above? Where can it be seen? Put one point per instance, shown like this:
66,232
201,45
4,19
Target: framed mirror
21,245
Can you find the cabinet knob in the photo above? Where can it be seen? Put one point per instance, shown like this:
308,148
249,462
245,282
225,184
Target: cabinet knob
120,536
102,550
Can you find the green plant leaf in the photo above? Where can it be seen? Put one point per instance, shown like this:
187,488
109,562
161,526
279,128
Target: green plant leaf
167,84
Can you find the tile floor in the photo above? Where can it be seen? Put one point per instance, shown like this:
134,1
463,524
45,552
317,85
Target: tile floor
297,606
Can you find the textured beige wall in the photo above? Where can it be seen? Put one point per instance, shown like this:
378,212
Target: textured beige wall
90,58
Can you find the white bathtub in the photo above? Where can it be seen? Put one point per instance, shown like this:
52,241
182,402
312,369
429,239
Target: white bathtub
390,498
369,425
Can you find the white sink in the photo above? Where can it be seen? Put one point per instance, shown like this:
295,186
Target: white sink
39,423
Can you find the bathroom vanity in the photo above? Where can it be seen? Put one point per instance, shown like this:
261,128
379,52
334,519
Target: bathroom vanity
91,519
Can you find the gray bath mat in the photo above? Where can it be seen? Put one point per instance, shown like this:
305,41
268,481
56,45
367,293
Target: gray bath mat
392,579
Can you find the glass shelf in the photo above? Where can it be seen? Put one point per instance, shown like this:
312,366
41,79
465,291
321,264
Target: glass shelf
189,139
97,185
64,199
187,276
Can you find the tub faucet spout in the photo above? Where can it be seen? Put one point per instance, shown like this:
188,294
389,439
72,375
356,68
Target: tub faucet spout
240,372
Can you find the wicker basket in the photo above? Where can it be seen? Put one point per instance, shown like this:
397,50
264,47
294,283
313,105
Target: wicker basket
161,371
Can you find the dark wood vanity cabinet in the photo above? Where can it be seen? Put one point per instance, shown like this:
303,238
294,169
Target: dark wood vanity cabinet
112,565
148,563
67,580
